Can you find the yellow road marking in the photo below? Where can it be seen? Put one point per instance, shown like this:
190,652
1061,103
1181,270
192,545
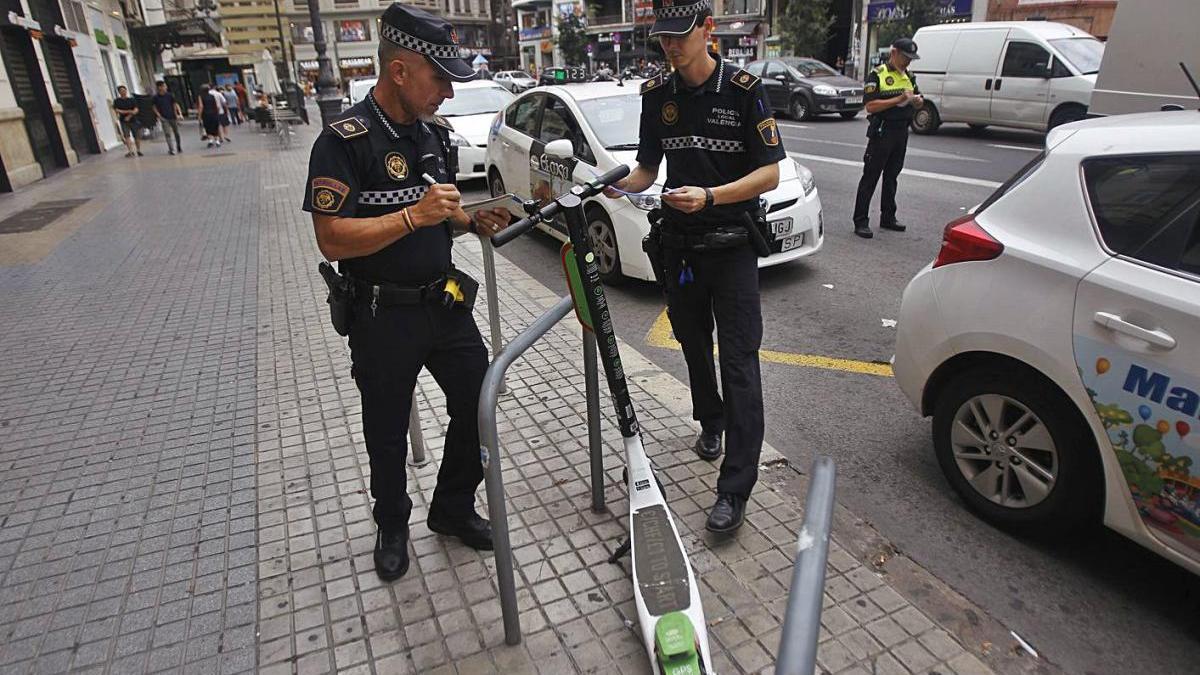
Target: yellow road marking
660,336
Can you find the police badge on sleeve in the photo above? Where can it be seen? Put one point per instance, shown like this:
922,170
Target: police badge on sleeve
769,131
328,194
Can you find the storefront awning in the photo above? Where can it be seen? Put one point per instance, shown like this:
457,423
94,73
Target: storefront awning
197,30
736,28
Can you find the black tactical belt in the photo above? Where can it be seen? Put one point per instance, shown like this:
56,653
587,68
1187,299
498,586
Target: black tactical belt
392,295
714,239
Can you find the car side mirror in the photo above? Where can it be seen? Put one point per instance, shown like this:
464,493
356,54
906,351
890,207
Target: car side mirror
782,78
560,149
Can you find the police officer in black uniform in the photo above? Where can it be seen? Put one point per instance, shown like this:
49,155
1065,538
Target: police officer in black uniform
712,122
390,229
891,97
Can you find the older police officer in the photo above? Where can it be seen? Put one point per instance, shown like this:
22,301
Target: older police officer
391,231
713,124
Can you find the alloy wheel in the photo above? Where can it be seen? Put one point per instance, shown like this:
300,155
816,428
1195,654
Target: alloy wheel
1004,451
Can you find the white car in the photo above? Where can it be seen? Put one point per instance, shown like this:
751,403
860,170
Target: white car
1055,341
601,121
470,112
359,88
515,81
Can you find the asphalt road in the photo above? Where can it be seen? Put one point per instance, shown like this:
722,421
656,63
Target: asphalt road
1094,604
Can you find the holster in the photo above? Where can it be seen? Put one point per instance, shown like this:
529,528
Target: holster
652,244
340,298
460,290
756,228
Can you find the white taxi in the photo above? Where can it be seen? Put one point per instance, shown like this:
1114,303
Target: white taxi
470,112
601,121
1055,341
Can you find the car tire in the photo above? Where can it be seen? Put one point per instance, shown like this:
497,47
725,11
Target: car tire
977,128
981,402
800,108
1067,114
603,238
926,120
848,114
495,183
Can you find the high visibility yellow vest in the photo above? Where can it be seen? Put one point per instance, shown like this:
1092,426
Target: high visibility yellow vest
891,82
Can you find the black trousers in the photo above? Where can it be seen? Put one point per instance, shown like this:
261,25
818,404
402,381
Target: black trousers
388,350
884,155
724,286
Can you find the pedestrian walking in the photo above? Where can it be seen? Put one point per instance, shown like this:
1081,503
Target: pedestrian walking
222,114
391,232
210,111
243,100
892,97
166,109
232,108
127,119
712,122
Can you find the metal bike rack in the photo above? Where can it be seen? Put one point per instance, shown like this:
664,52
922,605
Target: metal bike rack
802,623
490,453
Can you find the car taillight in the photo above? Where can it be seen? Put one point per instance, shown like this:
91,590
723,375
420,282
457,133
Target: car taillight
964,240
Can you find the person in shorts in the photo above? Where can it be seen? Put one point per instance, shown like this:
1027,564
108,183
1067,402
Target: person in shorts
127,112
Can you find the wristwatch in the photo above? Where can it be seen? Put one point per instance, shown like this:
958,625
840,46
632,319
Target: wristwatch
708,197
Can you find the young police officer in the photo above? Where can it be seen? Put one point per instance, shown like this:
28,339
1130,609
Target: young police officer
712,123
391,230
892,97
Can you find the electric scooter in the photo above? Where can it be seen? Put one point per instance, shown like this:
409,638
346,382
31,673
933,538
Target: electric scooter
667,596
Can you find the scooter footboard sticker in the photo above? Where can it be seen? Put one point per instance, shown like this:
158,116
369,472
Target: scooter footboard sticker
660,565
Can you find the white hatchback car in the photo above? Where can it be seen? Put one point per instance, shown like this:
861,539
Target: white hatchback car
1056,338
601,121
470,112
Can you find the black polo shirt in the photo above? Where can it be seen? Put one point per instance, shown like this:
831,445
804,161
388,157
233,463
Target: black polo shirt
712,135
366,165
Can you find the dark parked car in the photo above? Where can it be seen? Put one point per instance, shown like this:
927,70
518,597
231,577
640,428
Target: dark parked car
803,88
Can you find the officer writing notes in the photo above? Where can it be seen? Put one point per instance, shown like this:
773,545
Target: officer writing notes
891,97
390,230
712,123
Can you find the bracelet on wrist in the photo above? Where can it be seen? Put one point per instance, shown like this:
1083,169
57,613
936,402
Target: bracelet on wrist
708,197
408,220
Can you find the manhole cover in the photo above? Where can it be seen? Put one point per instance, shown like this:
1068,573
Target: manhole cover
38,216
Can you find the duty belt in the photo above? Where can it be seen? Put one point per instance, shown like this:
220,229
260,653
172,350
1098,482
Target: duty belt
709,239
393,295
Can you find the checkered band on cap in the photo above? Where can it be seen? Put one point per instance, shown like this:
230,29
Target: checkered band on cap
406,196
702,143
682,11
416,44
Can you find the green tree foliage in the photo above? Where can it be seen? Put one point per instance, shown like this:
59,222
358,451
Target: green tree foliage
916,13
805,26
572,40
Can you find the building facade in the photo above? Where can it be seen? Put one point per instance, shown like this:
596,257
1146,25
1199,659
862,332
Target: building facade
1093,16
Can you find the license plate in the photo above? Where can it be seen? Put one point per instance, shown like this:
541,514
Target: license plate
791,243
781,228
853,100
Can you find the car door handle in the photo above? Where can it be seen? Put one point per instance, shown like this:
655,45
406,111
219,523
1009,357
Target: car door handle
1113,322
987,84
996,87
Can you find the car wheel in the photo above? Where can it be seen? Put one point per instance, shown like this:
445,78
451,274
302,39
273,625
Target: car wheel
1066,115
496,183
849,114
604,244
927,120
977,128
1016,450
800,109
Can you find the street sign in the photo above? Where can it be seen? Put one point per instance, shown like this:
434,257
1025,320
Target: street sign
616,38
589,49
617,47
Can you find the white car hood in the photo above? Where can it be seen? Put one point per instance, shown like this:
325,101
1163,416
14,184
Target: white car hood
473,127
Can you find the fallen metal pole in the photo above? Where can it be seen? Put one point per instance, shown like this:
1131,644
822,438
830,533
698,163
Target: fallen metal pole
489,454
802,623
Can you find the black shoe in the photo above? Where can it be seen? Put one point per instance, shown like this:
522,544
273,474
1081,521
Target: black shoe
471,529
140,154
708,446
170,152
863,230
894,227
727,514
391,554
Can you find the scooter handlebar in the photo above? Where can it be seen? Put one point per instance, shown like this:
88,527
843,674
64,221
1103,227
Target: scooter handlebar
589,189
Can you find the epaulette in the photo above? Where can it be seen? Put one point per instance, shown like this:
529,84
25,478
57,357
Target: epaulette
745,80
654,82
349,127
443,122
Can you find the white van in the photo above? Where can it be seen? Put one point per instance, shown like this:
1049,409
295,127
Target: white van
1024,74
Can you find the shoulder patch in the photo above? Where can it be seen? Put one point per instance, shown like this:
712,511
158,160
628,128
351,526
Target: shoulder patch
653,83
443,122
350,127
745,80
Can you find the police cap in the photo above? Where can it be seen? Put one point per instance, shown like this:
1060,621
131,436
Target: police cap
677,17
430,36
906,47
